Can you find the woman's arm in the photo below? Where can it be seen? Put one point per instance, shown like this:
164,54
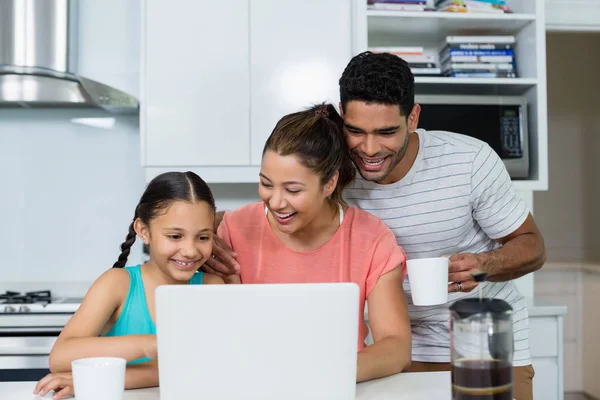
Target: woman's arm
390,326
80,337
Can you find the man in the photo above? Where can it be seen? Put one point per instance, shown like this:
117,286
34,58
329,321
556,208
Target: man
441,193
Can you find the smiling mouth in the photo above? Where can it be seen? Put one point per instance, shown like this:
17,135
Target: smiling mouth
373,163
184,265
284,216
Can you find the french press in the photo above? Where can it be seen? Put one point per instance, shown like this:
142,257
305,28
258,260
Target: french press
482,348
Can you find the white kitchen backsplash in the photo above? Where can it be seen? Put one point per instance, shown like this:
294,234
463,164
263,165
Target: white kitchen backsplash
68,195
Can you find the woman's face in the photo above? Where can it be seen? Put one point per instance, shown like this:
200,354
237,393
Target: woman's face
292,192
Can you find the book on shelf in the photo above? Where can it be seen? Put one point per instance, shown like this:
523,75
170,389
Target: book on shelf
396,7
491,52
478,56
419,63
475,59
397,50
426,71
477,43
481,39
497,74
474,67
472,6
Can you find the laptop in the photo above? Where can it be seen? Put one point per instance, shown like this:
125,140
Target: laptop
257,341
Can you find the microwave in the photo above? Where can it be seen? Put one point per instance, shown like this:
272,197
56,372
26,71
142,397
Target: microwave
500,121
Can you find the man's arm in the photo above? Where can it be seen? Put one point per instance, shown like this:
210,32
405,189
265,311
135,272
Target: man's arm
522,252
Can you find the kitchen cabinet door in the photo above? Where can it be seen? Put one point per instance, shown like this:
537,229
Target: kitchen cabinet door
298,50
195,83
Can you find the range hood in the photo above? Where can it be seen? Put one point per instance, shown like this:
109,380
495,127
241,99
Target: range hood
38,44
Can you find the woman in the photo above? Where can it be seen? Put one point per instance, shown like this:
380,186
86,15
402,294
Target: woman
302,231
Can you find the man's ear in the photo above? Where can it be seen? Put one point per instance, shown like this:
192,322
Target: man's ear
142,230
341,109
413,118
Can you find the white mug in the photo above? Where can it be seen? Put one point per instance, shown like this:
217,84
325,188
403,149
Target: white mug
428,279
99,378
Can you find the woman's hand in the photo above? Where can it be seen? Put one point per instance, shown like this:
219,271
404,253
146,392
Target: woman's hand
222,262
61,383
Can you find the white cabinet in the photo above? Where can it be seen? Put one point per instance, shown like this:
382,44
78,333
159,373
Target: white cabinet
195,104
217,76
573,15
547,352
298,51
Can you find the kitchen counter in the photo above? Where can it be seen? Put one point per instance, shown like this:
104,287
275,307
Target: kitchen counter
590,267
538,307
408,386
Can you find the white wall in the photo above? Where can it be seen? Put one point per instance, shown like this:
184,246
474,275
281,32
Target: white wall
568,213
68,193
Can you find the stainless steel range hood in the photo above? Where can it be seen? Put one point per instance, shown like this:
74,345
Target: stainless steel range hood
38,44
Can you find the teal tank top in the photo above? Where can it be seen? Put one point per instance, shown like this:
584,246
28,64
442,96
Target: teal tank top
135,317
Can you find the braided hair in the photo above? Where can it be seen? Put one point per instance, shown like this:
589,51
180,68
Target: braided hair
160,193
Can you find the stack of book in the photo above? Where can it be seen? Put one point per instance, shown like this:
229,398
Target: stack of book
478,57
477,6
397,5
420,64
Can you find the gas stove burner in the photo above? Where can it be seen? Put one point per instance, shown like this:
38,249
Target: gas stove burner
41,296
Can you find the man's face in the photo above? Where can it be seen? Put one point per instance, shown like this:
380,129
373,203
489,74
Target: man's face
377,136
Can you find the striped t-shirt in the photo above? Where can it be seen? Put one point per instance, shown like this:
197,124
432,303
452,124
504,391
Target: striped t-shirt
456,198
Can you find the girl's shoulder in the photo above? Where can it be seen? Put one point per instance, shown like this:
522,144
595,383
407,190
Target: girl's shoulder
212,279
115,281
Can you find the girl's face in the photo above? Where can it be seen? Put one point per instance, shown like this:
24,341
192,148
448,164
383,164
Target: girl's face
180,238
292,192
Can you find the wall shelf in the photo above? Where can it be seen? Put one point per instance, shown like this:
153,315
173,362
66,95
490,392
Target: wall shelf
485,86
437,25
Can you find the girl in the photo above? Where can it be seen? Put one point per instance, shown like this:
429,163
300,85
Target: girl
303,232
175,217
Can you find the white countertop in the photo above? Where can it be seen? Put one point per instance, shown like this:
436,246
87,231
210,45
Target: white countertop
406,386
584,266
537,307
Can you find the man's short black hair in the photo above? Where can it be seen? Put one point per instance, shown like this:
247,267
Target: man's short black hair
378,78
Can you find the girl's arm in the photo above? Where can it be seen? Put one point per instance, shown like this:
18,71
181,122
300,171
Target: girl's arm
80,337
136,376
388,316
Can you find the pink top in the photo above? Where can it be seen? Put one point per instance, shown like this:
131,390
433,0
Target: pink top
362,250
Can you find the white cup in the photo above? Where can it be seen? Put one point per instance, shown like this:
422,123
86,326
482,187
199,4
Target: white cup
99,378
428,279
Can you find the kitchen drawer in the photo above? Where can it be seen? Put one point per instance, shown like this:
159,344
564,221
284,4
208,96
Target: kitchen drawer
545,381
543,336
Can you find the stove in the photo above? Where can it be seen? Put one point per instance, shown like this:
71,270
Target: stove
37,302
30,322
